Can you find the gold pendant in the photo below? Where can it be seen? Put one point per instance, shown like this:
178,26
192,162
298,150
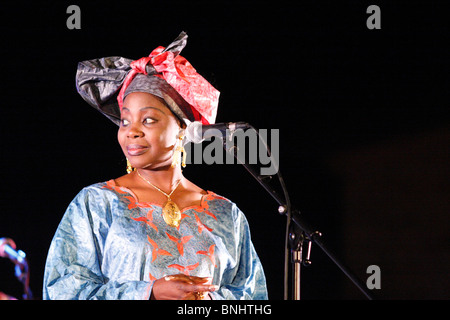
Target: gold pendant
171,214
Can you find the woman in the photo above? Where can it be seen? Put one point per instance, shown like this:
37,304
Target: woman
151,234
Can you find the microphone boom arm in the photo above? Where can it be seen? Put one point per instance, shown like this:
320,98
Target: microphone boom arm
294,215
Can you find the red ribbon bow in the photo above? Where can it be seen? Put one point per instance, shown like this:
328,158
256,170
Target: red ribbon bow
181,75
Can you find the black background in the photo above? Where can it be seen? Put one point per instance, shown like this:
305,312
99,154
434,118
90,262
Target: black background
362,114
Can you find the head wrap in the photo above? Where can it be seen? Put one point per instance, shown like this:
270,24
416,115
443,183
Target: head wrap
104,83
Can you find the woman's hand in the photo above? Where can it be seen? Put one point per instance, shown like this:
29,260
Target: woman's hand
182,287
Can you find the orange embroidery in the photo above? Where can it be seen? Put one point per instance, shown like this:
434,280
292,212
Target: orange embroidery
210,254
205,210
147,220
200,225
180,242
112,186
186,269
133,204
151,278
211,196
209,213
182,217
156,251
205,206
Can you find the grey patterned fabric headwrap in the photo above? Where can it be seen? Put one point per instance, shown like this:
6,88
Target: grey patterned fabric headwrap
99,81
160,88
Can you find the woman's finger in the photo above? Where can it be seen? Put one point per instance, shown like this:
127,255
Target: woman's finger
201,288
187,279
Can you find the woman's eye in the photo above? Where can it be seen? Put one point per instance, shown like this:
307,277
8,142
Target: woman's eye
124,122
148,120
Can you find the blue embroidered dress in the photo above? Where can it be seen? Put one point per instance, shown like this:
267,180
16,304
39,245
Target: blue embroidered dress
110,246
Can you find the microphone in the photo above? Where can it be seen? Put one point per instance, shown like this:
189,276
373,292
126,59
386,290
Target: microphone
8,250
197,132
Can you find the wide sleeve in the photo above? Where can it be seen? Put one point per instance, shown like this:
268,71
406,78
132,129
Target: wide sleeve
246,279
73,268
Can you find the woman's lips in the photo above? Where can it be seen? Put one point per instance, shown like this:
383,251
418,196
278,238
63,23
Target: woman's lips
136,150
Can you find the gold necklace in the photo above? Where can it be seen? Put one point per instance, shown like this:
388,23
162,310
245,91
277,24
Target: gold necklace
170,210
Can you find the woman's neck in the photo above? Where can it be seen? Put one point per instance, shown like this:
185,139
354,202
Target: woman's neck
165,179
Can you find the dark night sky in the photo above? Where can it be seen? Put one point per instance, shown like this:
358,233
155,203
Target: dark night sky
311,69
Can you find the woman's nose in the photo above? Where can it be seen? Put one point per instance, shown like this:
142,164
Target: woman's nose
135,132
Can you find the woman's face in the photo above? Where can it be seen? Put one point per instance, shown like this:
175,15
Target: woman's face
148,131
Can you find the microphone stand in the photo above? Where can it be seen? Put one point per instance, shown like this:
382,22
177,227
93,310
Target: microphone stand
300,230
